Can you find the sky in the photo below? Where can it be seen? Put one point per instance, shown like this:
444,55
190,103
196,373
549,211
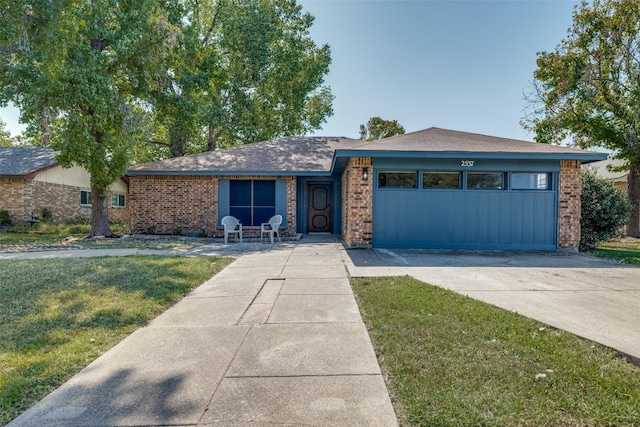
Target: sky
459,65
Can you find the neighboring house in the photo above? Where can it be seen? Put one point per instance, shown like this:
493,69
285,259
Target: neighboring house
434,188
601,169
31,181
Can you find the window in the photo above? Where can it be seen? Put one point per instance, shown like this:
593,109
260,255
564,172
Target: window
117,200
252,201
398,179
85,198
530,181
441,180
481,180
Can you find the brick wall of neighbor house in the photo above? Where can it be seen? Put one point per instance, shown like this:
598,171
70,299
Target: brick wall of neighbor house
11,191
22,197
189,203
357,203
569,205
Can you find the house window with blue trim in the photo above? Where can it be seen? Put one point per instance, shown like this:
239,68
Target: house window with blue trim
252,201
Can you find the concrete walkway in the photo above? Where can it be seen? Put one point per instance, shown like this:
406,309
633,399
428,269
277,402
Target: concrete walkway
276,338
594,298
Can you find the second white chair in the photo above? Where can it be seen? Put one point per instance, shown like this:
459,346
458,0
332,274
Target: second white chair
272,227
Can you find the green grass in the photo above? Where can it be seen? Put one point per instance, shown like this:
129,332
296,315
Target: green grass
73,233
58,315
626,250
452,361
44,232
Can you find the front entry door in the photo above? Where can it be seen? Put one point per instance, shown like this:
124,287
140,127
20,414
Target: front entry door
320,207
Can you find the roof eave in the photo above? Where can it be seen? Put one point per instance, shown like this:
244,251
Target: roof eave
227,173
584,157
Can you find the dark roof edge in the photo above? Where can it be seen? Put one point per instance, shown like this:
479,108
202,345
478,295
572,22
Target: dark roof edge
226,173
585,157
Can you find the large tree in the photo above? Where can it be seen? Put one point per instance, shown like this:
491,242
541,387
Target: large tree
589,87
242,71
378,128
87,61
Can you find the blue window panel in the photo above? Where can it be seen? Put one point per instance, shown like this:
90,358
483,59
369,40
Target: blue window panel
243,214
240,194
261,215
264,193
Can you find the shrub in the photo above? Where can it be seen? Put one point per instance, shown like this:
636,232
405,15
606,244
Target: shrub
151,229
5,219
605,210
47,215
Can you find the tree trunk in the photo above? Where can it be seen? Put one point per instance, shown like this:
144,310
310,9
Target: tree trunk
99,212
633,229
212,140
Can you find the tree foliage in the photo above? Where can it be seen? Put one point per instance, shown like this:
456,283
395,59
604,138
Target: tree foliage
83,63
378,128
5,136
242,71
589,87
605,210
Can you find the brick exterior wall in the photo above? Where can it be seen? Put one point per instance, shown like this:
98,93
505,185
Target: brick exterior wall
357,203
21,197
569,211
190,203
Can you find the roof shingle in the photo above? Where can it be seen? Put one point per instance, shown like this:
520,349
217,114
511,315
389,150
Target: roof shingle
17,162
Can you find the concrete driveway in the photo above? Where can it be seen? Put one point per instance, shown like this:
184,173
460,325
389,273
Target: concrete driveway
591,297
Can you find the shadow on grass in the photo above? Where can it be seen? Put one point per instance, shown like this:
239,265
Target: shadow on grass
57,315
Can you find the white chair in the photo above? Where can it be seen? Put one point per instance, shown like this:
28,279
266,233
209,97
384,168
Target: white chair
231,226
272,227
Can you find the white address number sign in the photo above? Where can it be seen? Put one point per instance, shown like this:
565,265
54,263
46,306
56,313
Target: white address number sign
467,163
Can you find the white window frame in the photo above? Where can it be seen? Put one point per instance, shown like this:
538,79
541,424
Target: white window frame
87,197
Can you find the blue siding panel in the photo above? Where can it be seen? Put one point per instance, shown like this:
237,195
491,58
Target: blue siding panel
223,198
465,219
281,200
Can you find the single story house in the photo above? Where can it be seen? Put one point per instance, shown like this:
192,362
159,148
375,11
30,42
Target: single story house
434,188
31,181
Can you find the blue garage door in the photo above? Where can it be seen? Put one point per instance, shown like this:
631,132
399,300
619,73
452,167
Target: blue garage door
465,211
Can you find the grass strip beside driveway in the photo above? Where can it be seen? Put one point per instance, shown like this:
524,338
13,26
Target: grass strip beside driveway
58,315
625,250
450,360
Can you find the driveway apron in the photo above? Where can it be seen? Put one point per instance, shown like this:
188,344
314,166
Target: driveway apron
275,338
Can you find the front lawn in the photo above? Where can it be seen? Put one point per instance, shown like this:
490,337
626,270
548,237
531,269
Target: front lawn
58,315
450,360
626,250
72,235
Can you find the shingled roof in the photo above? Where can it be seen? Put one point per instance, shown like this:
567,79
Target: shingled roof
319,155
280,156
19,162
436,140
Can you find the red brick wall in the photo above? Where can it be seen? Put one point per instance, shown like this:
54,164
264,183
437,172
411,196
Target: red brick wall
190,203
21,197
357,203
569,205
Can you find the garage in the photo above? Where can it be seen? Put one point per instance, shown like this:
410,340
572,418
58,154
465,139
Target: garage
486,204
443,189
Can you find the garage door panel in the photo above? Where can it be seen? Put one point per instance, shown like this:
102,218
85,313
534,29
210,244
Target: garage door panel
461,219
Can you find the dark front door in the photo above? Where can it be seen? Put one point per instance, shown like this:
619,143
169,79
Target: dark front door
320,207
